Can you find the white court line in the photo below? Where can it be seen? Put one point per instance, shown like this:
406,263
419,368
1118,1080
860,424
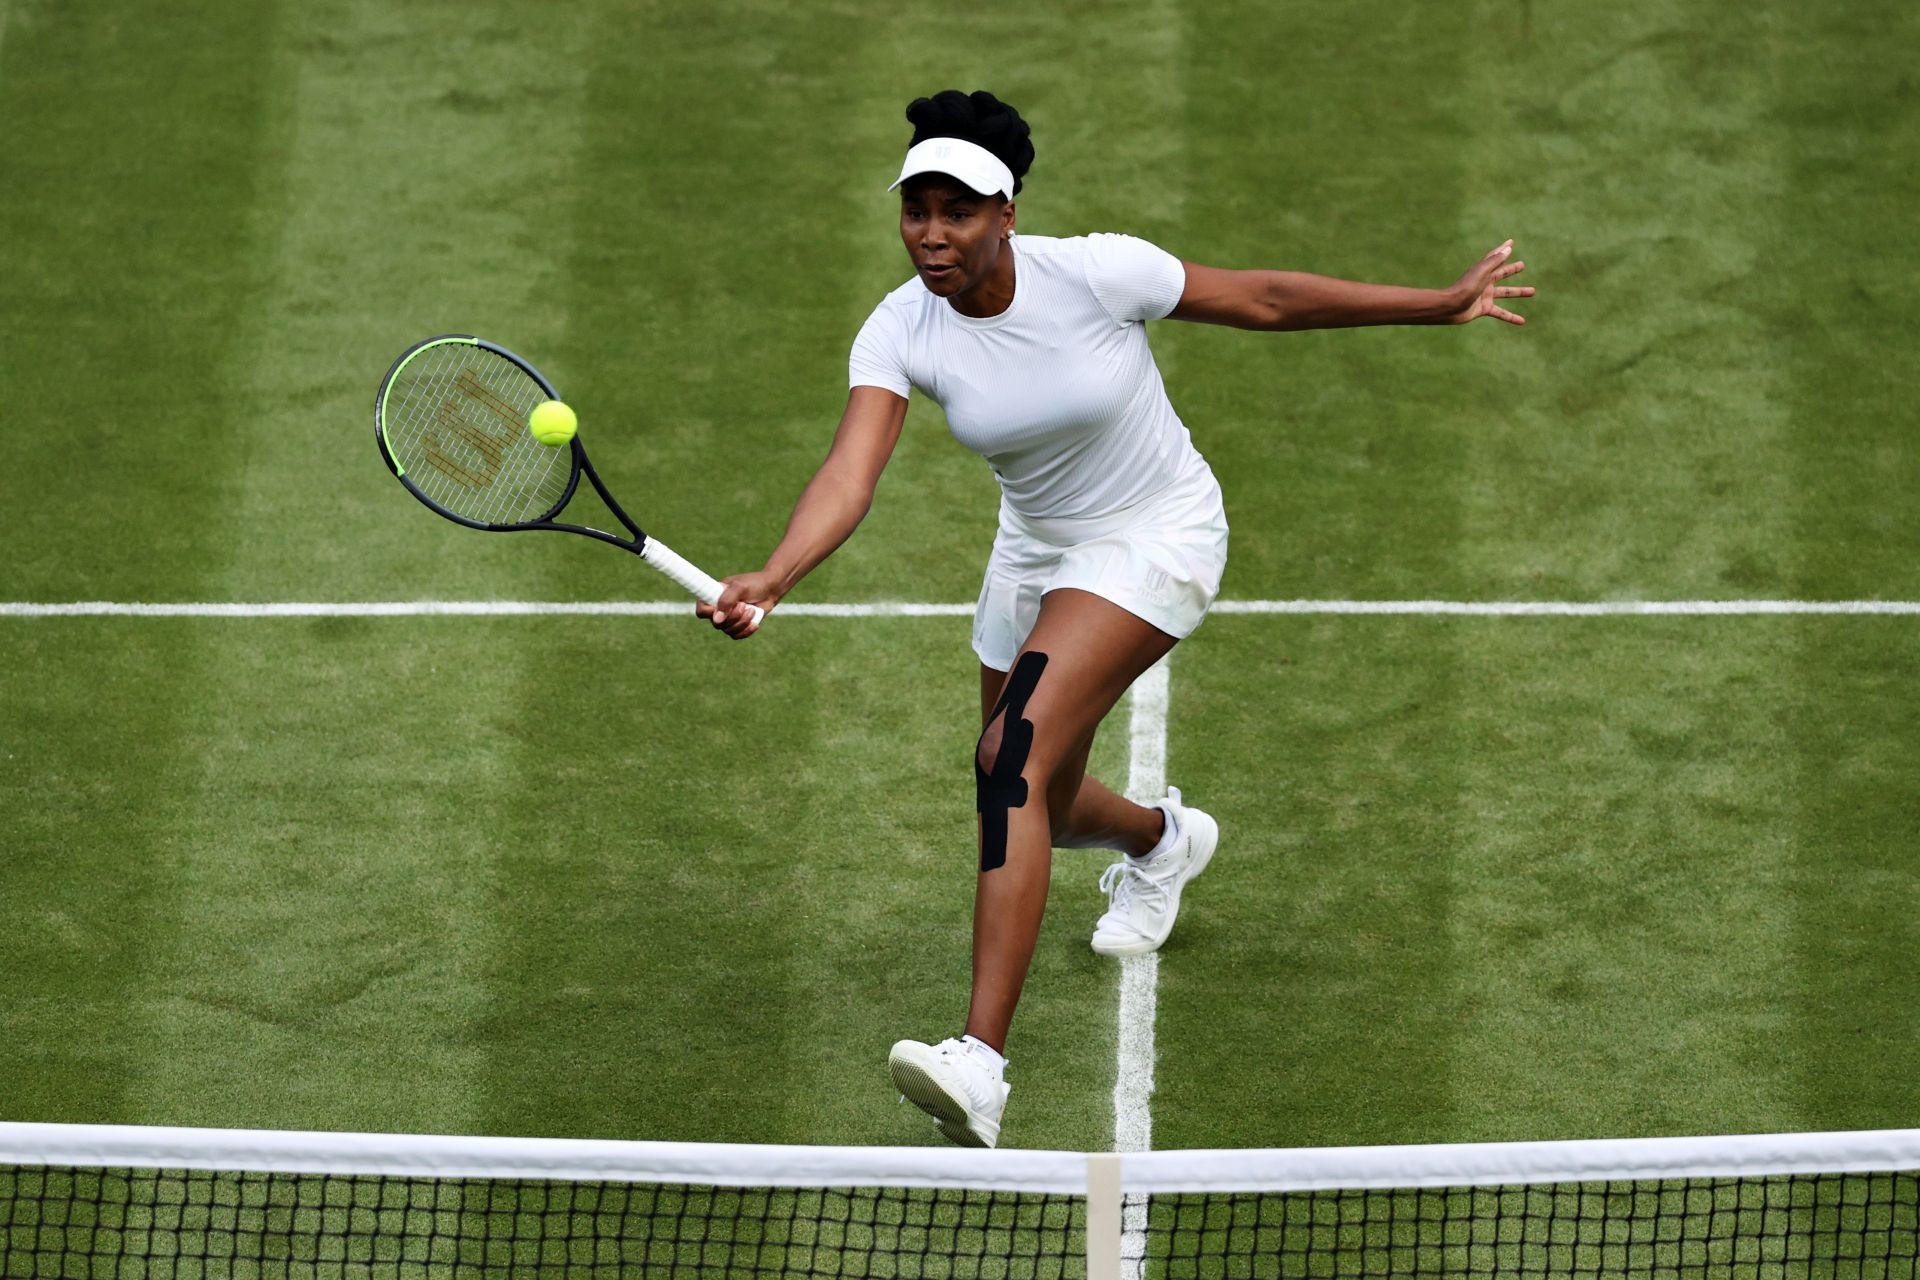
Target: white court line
907,609
457,609
1139,975
1569,609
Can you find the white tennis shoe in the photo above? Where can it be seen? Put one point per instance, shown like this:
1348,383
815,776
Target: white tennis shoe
1143,895
951,1082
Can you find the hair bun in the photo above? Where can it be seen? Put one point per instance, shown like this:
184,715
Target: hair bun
979,118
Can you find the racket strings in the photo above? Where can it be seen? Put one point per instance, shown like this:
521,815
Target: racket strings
510,396
409,409
456,420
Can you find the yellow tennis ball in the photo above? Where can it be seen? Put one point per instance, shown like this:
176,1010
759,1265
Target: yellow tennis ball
552,423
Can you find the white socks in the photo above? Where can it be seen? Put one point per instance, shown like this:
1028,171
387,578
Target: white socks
987,1054
1167,837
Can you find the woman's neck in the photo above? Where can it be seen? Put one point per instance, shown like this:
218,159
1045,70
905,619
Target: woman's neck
993,294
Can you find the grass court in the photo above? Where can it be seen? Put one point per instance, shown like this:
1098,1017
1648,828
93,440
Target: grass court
1481,878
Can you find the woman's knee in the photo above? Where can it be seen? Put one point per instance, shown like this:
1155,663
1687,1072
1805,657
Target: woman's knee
1021,768
1009,738
1021,750
986,752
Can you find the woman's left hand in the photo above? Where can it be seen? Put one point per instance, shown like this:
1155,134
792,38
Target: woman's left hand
1479,292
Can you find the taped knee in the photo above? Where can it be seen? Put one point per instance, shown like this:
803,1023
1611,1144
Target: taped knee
1001,758
987,750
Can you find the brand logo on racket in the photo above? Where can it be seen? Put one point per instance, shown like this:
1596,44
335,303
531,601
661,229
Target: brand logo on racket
489,435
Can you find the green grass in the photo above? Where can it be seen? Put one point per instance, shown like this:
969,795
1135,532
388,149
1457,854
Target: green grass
1483,878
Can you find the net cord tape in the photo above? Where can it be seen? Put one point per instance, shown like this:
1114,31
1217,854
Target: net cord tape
564,1159
1486,1164
1055,1172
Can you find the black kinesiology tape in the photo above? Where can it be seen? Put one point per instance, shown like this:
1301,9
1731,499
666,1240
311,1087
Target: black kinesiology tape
1004,789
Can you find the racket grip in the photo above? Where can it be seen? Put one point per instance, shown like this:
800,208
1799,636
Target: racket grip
687,574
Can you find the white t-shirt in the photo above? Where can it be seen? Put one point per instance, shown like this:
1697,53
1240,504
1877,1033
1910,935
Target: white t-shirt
1059,392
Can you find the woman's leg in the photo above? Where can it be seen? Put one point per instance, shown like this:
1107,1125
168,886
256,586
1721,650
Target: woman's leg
1094,816
1081,656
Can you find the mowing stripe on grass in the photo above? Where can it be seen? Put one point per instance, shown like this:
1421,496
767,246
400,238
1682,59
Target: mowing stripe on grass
912,609
1845,111
1653,244
134,159
124,316
1624,826
331,879
425,150
1621,904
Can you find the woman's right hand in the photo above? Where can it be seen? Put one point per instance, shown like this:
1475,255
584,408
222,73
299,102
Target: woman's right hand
731,614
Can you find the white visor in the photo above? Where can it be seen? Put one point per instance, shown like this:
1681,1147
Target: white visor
973,164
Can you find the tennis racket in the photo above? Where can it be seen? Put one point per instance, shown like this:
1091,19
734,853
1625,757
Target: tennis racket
451,419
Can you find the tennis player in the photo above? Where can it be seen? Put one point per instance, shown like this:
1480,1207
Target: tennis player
1112,535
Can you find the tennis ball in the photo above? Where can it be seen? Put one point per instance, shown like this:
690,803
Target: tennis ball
552,423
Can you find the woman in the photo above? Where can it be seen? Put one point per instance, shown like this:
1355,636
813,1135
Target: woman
1112,535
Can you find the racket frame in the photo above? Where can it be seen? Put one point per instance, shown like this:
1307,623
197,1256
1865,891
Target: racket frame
654,552
581,464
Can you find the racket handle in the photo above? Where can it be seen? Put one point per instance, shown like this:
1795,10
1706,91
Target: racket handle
687,574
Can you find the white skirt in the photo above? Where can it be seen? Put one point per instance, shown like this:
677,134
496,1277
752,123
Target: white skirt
1160,560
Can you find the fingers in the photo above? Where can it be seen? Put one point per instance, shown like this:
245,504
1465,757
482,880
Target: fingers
745,599
737,618
1498,269
742,621
1492,267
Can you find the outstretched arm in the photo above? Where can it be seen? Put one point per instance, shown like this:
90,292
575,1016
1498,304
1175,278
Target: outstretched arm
832,505
1277,300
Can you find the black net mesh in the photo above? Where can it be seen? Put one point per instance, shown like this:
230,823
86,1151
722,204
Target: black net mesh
190,1224
1817,1227
170,1223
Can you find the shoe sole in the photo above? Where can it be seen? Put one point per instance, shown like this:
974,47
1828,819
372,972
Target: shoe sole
1146,946
950,1113
961,1136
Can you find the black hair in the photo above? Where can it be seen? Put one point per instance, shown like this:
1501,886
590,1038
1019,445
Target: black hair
979,118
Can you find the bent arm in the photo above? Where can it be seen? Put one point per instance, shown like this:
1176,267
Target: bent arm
1279,300
840,494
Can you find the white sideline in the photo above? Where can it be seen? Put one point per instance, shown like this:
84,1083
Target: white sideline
909,609
1570,609
1139,975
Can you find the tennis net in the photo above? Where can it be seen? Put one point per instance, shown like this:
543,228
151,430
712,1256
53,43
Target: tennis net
95,1200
